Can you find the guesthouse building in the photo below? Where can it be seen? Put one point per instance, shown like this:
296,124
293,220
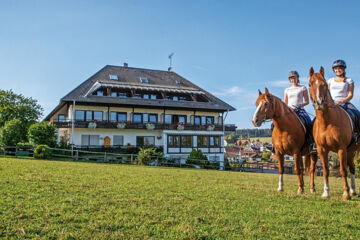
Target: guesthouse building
121,106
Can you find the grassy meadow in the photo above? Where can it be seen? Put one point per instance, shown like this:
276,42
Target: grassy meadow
78,200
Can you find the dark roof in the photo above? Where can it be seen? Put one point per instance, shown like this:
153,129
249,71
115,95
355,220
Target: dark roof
128,76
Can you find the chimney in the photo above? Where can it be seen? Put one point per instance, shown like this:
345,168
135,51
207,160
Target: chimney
126,64
170,69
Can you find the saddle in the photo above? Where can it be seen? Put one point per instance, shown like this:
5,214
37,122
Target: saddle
354,118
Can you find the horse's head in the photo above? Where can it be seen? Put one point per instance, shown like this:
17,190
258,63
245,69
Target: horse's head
318,89
264,109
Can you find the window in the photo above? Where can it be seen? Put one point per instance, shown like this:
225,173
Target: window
145,141
179,118
146,96
118,140
153,118
79,115
118,117
90,140
137,118
114,94
100,93
177,81
175,98
137,95
186,141
214,141
209,120
168,118
98,116
202,141
197,120
203,120
61,118
173,141
144,80
113,77
145,117
89,116
153,96
182,98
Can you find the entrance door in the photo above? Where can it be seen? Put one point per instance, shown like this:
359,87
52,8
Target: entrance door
106,142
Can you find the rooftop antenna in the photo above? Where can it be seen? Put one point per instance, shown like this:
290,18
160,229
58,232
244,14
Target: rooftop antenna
170,57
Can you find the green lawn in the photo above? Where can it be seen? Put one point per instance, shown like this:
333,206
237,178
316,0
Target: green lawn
262,139
69,200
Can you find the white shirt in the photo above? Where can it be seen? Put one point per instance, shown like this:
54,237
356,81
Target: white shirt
295,95
339,90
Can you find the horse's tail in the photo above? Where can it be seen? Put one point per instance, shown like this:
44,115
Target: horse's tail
307,164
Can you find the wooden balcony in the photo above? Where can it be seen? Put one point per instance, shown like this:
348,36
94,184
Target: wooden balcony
132,125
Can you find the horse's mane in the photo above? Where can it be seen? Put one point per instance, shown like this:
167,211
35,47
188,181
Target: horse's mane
282,104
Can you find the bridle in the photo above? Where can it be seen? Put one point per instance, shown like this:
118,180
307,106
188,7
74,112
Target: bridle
268,118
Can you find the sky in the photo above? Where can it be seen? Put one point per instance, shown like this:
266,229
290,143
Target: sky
229,48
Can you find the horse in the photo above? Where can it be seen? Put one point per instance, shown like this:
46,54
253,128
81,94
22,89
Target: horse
332,131
288,136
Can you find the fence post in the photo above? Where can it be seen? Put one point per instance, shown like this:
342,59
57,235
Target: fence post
104,156
132,158
77,155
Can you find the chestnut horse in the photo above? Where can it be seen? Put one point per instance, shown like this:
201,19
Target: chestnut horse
332,132
288,136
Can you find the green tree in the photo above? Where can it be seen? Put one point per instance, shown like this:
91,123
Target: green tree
266,156
197,157
12,133
17,106
42,133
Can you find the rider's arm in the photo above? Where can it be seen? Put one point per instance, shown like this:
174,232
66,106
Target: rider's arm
285,98
306,98
350,94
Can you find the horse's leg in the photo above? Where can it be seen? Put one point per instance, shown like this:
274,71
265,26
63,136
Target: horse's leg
307,163
280,158
325,162
299,172
313,158
350,163
343,164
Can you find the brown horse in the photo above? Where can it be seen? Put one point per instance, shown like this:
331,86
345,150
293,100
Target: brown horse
288,136
332,132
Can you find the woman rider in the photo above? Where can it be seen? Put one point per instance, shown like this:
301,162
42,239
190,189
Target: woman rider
342,90
296,97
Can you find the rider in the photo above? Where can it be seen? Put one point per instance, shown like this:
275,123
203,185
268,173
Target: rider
342,90
296,97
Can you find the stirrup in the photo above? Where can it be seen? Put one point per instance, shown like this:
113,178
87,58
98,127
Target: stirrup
313,148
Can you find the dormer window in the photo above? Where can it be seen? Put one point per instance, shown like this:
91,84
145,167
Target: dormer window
100,93
177,81
113,77
144,80
114,94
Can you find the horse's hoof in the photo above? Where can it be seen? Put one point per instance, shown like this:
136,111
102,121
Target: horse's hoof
280,190
352,192
346,196
312,191
300,192
325,195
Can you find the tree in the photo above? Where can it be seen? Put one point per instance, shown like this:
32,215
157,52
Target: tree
42,133
17,106
266,156
12,133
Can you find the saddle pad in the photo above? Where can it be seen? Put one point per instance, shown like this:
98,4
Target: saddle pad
351,116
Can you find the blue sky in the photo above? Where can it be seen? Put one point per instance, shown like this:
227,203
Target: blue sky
230,48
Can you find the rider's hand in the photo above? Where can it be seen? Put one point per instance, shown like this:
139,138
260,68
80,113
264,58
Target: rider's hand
338,102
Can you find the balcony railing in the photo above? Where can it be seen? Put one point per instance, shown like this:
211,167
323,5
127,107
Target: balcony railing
133,125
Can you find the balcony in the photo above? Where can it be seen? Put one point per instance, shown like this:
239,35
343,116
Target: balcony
132,125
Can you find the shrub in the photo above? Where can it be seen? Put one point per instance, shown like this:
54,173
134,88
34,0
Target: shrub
266,156
42,133
12,133
148,155
197,157
43,152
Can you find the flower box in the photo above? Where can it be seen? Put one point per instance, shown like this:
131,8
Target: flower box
210,127
92,125
180,126
150,126
121,125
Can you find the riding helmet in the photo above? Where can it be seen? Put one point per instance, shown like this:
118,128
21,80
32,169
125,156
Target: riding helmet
293,74
339,63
